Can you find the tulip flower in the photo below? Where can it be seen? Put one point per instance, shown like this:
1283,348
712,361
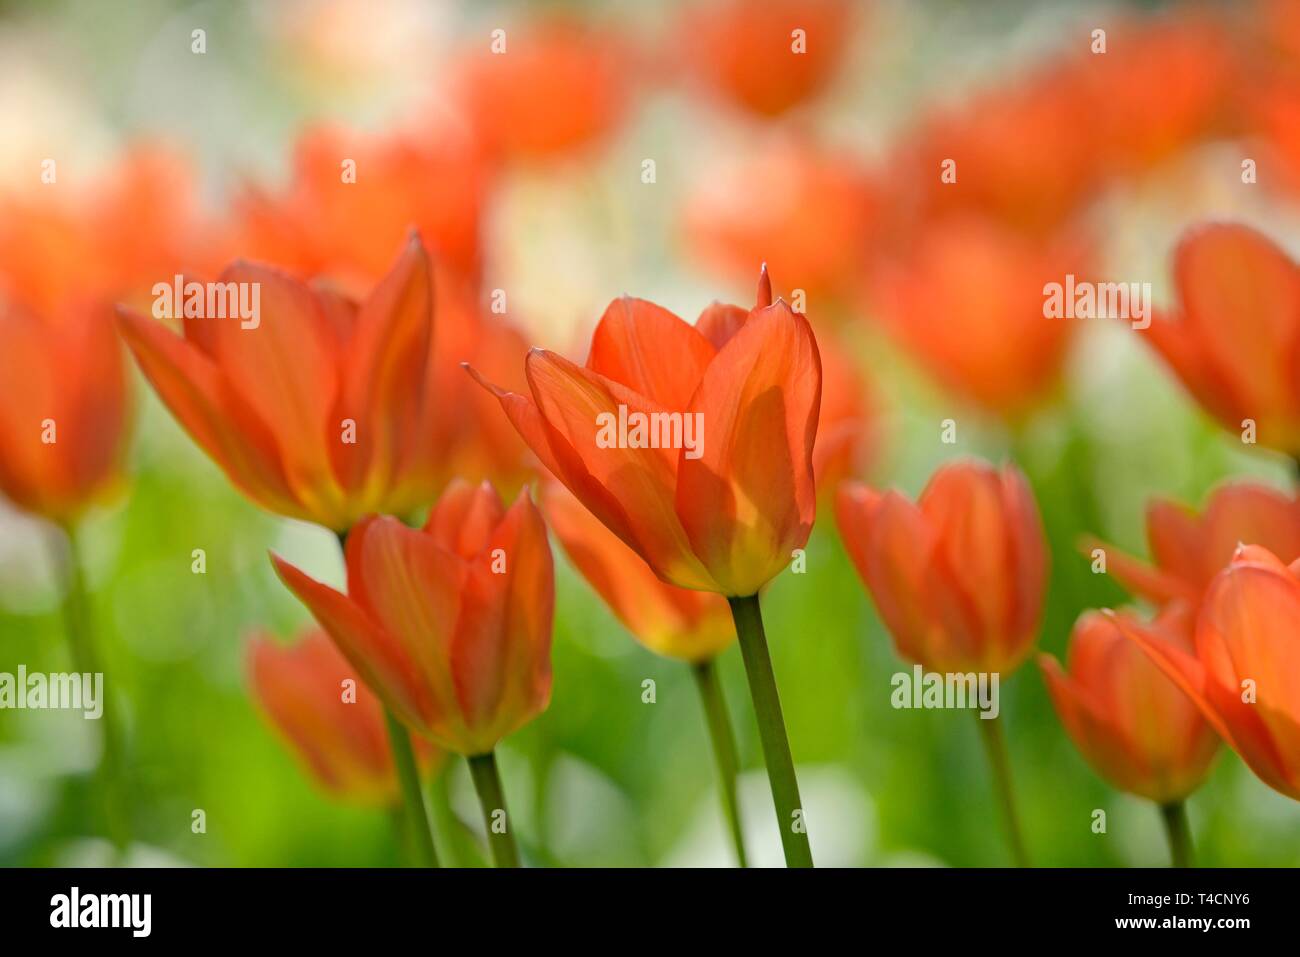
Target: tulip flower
116,233
312,409
344,221
1245,672
545,90
450,625
690,626
64,417
967,301
818,220
63,426
765,58
1189,550
1238,322
958,578
333,722
1135,726
712,484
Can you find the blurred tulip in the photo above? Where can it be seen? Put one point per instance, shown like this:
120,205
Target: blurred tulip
327,224
1161,87
765,57
674,622
315,411
337,730
1245,672
810,214
726,516
1137,728
967,301
1014,153
64,416
451,624
1189,550
552,87
959,577
1237,331
117,235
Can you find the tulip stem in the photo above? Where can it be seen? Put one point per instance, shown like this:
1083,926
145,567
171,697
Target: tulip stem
995,744
81,642
409,779
1180,836
724,748
487,782
771,731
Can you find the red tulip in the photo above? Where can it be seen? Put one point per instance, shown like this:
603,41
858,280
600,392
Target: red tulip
670,621
1245,672
1135,726
64,415
336,728
1237,330
725,513
451,624
1189,550
315,411
958,578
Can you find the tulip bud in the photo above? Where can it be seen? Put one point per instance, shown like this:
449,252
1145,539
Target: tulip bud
449,624
1134,725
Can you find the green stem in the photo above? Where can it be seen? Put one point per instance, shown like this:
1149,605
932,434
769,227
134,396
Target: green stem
78,622
724,748
409,778
771,730
995,745
487,782
458,849
1180,836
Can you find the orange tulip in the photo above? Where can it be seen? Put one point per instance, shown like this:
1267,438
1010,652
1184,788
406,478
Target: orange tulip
1237,330
1189,550
1245,672
324,225
64,416
337,730
719,500
1014,153
958,577
315,411
675,622
1135,726
815,225
117,234
451,624
556,87
967,301
750,54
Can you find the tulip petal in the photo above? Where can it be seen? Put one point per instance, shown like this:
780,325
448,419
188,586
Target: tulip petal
287,370
1136,576
500,658
465,516
749,499
720,322
651,351
384,370
382,662
214,415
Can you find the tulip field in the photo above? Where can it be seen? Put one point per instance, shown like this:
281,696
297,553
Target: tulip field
835,433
